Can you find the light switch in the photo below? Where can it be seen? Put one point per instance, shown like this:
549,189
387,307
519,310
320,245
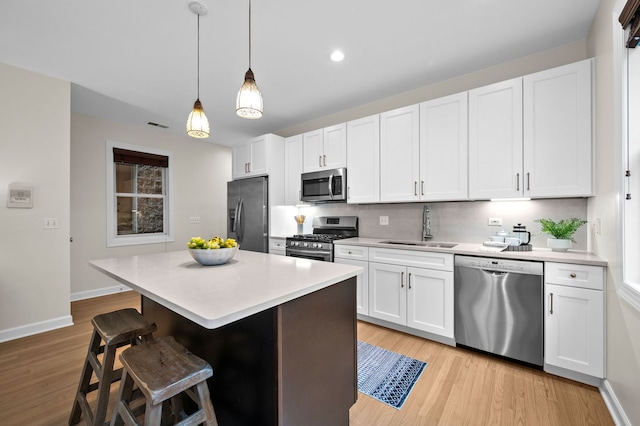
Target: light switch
50,223
384,220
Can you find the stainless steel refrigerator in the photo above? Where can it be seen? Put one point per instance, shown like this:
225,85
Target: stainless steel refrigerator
248,213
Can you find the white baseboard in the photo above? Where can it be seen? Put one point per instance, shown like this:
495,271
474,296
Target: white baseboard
35,328
90,294
615,409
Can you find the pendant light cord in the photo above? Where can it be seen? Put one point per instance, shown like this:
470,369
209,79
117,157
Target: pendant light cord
198,56
249,34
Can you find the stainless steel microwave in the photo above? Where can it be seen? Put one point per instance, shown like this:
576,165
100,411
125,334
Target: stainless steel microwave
324,186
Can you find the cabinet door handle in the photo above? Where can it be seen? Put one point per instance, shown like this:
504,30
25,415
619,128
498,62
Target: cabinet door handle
550,303
528,181
249,167
319,160
409,281
573,275
415,188
517,181
324,158
422,187
401,279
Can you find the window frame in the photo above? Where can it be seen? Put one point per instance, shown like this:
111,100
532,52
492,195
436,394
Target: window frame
628,291
112,238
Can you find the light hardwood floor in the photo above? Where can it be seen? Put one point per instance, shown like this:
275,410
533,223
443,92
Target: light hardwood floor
39,376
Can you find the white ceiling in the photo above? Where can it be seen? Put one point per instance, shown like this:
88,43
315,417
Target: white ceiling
135,61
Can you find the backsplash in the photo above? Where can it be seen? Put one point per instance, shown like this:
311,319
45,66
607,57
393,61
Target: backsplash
464,222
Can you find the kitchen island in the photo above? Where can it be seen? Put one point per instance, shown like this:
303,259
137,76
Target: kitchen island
279,332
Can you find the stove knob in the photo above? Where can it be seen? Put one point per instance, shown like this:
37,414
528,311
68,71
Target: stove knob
319,245
305,244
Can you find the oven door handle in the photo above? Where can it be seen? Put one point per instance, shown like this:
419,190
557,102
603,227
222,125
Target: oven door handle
331,186
306,254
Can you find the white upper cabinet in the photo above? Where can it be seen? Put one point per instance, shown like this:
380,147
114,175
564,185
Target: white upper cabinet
363,160
256,157
532,136
557,131
495,140
444,149
399,154
292,169
325,148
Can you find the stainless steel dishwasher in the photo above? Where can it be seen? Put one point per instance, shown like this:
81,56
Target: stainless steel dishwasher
499,307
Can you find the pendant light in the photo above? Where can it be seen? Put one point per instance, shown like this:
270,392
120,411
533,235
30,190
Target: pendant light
249,101
197,123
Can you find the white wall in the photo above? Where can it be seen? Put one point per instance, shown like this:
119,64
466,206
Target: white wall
529,64
623,322
34,150
201,171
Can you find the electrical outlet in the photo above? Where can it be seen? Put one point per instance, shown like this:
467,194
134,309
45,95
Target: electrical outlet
50,223
495,221
384,220
194,220
598,226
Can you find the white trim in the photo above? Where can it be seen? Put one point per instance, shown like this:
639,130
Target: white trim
615,408
35,328
628,292
90,294
114,240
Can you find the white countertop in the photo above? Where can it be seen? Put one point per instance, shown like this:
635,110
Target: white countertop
213,296
539,254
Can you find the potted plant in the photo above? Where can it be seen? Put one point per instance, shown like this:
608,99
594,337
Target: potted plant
561,232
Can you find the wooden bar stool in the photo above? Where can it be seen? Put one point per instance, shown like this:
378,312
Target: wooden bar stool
163,369
115,329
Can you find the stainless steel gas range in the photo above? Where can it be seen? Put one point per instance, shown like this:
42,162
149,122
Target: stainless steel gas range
319,245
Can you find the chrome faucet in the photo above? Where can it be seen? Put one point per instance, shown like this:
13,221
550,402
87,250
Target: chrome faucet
426,224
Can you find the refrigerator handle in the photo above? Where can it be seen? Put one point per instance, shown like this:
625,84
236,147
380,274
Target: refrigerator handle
239,224
331,186
234,225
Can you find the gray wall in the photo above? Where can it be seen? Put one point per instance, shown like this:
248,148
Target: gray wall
457,221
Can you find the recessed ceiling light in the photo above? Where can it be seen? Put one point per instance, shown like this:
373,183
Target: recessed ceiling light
337,56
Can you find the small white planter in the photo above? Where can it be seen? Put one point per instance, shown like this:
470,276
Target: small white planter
558,245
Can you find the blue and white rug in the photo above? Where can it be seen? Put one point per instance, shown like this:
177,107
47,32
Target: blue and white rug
385,375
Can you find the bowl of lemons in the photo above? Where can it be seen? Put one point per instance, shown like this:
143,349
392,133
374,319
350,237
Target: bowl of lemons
216,251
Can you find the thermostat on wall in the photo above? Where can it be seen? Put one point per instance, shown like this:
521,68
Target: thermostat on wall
20,196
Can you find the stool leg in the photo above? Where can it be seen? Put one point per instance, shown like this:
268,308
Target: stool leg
206,404
104,387
153,414
85,379
124,397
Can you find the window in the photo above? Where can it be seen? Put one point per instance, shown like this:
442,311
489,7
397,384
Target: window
628,60
139,208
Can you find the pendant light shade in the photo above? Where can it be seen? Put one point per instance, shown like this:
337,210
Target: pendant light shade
197,123
249,100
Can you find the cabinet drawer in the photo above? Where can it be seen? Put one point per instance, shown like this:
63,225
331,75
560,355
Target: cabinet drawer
415,258
351,252
583,276
277,246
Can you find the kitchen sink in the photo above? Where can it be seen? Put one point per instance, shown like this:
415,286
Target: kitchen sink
419,243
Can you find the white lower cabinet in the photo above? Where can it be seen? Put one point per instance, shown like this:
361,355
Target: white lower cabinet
357,256
419,298
574,318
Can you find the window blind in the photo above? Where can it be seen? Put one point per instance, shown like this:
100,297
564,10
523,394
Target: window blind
135,157
630,16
